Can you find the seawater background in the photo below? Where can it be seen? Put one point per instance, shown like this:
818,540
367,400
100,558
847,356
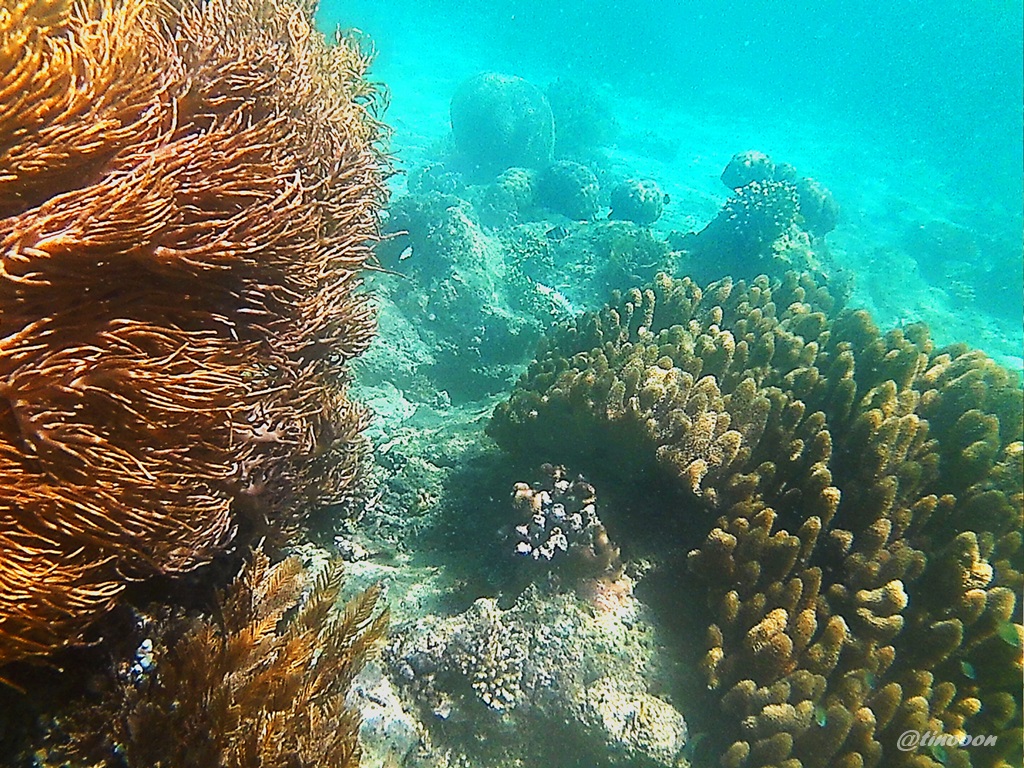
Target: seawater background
909,112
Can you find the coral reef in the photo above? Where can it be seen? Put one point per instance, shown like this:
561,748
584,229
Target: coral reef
560,516
539,684
570,189
637,200
500,121
187,195
862,571
263,684
492,274
470,292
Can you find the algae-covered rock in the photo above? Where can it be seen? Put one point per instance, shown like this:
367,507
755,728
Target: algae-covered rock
387,734
642,728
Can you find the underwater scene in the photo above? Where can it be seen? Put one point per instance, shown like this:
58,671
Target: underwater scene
437,384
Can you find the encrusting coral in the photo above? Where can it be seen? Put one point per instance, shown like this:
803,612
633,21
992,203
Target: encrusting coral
863,568
187,193
263,684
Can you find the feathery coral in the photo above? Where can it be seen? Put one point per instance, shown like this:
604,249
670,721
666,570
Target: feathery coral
263,685
188,191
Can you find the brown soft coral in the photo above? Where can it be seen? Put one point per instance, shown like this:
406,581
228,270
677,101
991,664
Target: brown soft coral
188,192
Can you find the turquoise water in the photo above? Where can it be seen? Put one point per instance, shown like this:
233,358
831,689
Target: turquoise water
909,112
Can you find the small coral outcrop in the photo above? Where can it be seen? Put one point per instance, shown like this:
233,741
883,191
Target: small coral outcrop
745,167
818,207
773,222
864,560
570,189
753,218
638,200
558,525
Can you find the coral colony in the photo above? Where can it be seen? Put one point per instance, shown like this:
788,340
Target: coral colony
188,193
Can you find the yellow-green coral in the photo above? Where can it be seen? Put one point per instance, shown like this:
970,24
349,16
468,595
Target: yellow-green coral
862,569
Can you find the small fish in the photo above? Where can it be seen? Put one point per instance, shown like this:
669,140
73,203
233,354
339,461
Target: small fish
666,199
939,753
820,715
557,233
406,253
1009,635
968,669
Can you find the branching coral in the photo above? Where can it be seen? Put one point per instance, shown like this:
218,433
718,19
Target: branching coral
862,570
262,685
188,191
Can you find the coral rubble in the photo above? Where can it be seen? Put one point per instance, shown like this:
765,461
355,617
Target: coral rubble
863,566
188,192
